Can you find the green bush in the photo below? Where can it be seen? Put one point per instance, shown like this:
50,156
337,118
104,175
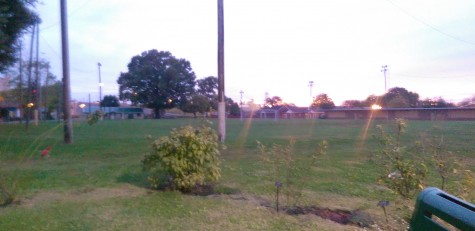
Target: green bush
403,173
188,157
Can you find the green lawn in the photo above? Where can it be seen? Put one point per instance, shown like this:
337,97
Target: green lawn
97,183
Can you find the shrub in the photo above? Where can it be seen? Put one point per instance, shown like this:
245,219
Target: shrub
188,157
403,174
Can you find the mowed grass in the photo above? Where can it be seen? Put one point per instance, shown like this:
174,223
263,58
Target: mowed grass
97,182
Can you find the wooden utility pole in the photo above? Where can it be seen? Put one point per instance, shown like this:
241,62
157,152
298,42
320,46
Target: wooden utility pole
29,87
221,96
37,86
20,85
68,123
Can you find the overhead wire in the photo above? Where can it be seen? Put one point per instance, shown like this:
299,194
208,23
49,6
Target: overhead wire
430,26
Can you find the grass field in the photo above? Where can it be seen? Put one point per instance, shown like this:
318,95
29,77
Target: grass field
97,183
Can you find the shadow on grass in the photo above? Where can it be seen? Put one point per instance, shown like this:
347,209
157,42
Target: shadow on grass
138,179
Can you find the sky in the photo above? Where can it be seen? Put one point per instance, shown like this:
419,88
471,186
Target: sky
275,47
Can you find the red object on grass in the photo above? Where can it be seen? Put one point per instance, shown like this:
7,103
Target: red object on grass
46,151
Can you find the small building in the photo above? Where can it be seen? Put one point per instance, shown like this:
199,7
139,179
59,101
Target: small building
451,113
288,112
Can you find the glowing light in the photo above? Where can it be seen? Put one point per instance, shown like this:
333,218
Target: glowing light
376,107
30,105
82,105
170,100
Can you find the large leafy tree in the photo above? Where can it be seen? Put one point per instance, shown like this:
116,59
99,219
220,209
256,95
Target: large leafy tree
157,80
322,101
399,97
208,87
197,104
15,18
110,101
273,101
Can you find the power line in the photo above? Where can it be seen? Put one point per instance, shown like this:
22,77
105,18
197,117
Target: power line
430,26
69,15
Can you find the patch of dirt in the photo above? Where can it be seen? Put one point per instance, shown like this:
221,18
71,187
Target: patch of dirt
343,217
340,216
85,194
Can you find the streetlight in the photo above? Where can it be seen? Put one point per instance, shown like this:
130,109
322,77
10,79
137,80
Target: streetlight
310,85
241,92
100,85
384,69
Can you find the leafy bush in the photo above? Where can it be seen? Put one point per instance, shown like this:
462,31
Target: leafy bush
403,174
93,118
188,157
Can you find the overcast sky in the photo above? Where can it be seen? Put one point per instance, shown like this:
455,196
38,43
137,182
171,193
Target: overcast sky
275,46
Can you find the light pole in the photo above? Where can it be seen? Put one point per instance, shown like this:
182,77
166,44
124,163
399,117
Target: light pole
100,85
384,69
310,85
241,92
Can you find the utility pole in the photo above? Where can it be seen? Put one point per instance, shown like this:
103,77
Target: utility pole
241,92
37,77
100,85
310,85
29,87
384,70
68,123
20,86
221,104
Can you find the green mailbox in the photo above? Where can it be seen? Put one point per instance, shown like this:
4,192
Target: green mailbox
452,210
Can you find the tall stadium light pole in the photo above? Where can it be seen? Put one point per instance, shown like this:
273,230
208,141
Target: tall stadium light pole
310,85
100,84
384,69
68,123
241,92
221,104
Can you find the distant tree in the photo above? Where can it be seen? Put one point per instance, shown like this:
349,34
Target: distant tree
15,17
467,101
438,102
157,80
110,101
400,97
232,107
197,104
273,101
371,100
208,87
353,103
322,101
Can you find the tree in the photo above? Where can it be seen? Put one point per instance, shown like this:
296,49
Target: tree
467,101
208,87
197,104
15,18
371,100
399,97
353,103
157,80
110,101
438,102
322,101
273,101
